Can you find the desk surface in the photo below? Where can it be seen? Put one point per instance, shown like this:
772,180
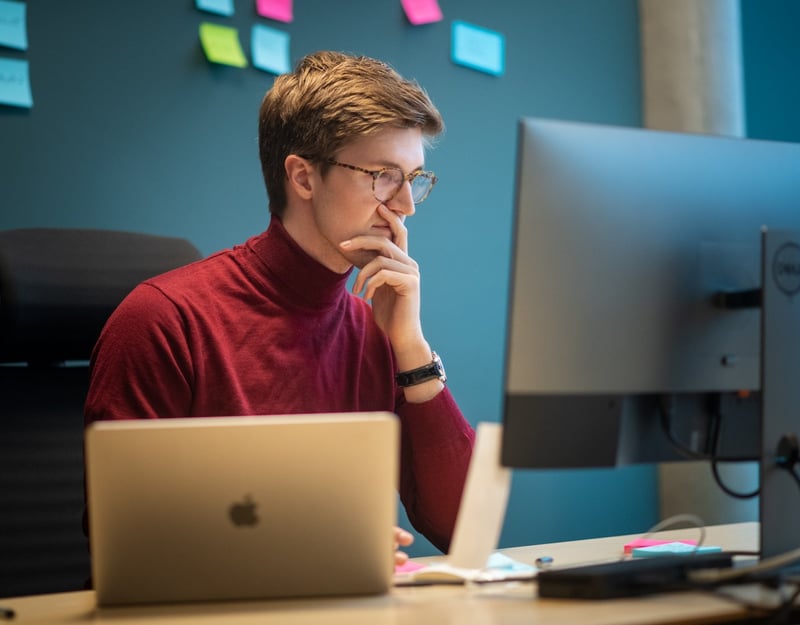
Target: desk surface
508,603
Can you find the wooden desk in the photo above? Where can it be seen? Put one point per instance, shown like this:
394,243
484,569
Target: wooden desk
511,603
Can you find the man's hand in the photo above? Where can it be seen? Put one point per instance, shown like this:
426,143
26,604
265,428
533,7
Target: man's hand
392,281
401,539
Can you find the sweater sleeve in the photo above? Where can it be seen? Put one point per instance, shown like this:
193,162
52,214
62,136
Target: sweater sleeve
435,451
141,366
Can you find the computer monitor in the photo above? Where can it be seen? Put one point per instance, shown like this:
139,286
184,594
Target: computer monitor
635,322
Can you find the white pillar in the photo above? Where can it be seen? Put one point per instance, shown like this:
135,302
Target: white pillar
692,82
692,66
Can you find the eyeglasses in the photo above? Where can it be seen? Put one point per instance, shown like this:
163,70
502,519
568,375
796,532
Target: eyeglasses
387,182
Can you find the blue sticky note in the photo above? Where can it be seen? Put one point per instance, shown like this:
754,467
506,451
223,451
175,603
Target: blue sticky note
15,86
220,7
478,48
13,33
501,562
270,49
671,549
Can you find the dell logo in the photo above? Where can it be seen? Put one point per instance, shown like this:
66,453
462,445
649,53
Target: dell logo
786,268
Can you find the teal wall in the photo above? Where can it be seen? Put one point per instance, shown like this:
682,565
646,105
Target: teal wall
132,129
772,68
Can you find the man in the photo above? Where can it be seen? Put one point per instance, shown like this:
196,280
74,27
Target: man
269,327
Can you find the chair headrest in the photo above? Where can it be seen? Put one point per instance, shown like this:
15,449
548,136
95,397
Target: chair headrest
58,286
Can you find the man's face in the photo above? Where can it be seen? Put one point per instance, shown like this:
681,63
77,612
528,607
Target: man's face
344,205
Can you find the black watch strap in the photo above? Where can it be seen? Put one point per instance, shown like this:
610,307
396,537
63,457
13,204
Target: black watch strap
433,370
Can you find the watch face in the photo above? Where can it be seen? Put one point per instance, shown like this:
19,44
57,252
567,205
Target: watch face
438,367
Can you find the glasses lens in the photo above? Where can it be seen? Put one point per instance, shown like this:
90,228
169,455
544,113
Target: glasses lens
387,183
421,186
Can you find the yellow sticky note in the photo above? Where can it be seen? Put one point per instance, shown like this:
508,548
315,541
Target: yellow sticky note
221,45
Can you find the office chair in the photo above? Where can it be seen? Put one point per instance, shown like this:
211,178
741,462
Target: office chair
57,288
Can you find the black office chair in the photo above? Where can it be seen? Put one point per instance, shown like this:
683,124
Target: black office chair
57,288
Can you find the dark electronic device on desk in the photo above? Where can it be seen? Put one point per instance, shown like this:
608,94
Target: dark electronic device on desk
652,306
626,578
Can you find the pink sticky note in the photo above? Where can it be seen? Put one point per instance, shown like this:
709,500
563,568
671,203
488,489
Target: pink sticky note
280,10
651,542
408,567
422,11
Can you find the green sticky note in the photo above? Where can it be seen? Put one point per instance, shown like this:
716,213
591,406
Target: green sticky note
221,45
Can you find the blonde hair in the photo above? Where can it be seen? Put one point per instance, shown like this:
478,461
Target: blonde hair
330,100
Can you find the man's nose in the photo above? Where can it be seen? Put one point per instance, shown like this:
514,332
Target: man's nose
402,202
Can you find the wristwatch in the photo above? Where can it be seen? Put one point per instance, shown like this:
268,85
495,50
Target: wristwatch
433,370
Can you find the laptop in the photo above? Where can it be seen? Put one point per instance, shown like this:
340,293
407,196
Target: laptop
198,509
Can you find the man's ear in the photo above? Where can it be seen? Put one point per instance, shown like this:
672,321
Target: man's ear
299,172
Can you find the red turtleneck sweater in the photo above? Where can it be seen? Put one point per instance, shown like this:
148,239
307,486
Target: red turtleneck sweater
265,329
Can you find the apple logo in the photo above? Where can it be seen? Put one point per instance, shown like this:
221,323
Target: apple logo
243,513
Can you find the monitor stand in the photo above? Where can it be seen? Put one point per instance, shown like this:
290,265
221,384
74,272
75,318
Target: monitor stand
779,475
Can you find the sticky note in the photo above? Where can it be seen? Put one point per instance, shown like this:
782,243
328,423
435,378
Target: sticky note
13,33
221,45
422,11
408,567
671,549
270,49
478,48
650,542
15,86
280,10
220,7
501,562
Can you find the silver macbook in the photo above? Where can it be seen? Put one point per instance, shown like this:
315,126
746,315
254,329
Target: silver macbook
242,507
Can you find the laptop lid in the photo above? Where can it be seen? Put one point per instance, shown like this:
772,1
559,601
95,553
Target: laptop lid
483,503
242,507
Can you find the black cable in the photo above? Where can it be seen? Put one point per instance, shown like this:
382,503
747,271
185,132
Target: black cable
715,460
765,613
784,611
714,457
769,578
679,446
756,610
788,455
726,489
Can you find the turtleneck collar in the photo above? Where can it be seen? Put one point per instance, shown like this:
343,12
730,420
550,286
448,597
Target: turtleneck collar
308,280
